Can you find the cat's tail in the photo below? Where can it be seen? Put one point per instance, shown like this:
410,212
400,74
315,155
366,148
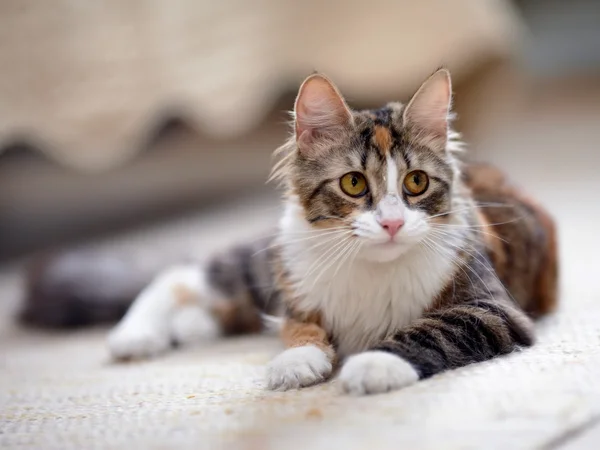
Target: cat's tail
79,287
87,286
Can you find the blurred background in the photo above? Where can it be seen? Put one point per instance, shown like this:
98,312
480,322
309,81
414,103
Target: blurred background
115,114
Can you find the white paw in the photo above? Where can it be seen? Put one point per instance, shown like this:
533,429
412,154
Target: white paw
376,372
136,341
298,367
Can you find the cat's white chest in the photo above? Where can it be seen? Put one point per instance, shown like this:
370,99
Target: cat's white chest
360,301
363,302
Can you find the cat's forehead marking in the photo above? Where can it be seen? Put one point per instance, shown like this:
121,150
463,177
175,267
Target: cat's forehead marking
380,134
382,139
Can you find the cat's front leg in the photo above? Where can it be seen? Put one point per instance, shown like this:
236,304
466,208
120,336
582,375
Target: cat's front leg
443,339
308,359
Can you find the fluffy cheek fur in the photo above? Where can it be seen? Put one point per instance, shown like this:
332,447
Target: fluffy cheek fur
377,245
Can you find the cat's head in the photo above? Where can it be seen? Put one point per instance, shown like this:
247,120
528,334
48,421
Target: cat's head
383,175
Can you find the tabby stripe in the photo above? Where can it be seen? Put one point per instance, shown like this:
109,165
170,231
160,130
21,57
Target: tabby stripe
428,341
406,157
363,160
374,150
515,331
493,339
447,334
316,191
365,137
425,363
465,342
473,331
444,183
454,338
431,203
369,200
441,163
485,322
320,218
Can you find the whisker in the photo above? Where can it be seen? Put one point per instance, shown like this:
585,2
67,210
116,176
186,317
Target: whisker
319,244
439,227
325,256
436,248
319,230
481,225
482,260
333,257
347,255
299,233
294,241
331,217
477,205
338,257
466,248
360,244
486,264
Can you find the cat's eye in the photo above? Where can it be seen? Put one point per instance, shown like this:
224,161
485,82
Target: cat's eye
416,182
354,184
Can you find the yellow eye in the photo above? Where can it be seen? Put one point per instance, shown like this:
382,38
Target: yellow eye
416,182
354,184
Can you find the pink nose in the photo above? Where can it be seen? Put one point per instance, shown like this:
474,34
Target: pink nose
392,225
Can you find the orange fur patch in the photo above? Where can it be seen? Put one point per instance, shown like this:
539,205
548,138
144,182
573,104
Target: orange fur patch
297,333
184,295
547,283
546,289
383,139
234,318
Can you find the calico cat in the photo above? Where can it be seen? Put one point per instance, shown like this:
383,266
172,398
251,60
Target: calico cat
392,259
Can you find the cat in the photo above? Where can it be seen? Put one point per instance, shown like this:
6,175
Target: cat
393,260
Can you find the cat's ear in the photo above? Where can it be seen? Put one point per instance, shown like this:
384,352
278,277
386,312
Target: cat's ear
427,113
320,112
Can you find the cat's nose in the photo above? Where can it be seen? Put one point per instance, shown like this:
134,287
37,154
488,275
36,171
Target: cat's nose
392,226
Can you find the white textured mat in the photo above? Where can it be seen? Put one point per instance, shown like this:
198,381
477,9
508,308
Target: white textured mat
59,391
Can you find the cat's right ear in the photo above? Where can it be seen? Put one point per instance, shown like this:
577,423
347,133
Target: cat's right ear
427,112
320,113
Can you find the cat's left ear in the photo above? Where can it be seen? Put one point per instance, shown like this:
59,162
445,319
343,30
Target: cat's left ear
321,114
426,115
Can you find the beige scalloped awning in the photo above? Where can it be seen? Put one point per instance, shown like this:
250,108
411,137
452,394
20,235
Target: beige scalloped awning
86,81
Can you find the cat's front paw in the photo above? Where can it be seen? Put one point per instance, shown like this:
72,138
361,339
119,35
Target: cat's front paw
376,372
137,340
298,367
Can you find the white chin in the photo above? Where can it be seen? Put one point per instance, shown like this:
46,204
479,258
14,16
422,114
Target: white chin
384,252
